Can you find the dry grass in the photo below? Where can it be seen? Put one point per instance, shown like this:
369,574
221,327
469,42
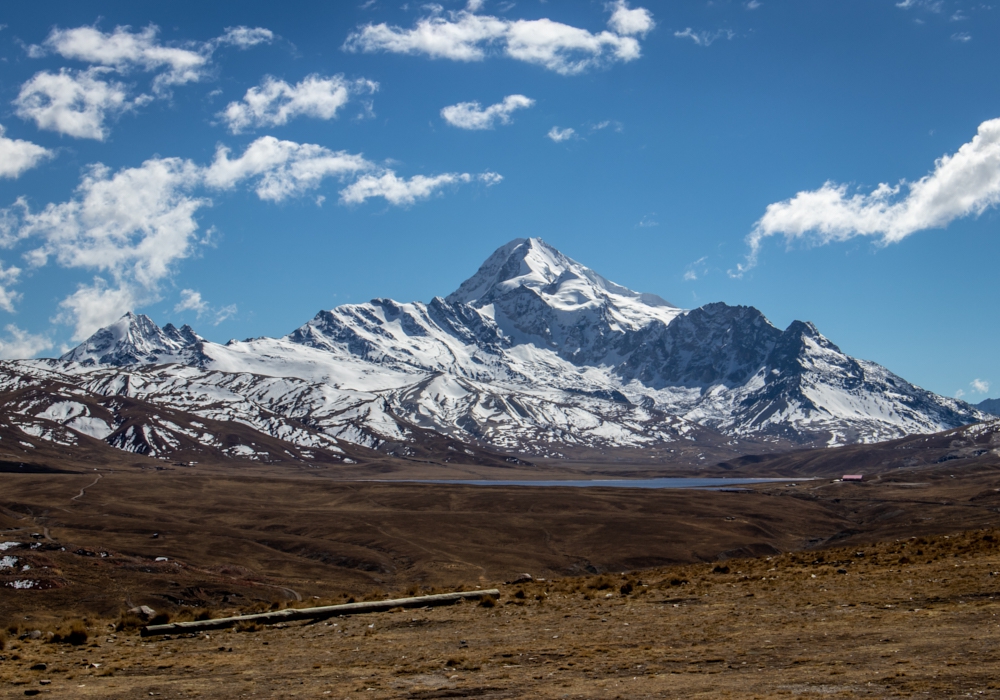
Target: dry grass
910,617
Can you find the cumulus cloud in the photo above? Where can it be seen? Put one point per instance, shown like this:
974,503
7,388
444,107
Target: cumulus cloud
979,386
965,183
245,37
629,22
558,135
471,115
400,191
282,169
191,301
74,103
465,36
132,226
17,155
704,38
275,102
20,344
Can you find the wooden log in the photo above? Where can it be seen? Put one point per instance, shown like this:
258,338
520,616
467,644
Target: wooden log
291,614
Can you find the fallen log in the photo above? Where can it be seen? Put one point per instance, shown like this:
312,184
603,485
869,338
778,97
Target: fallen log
292,614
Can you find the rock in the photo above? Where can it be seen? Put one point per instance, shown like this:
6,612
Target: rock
40,667
523,578
35,634
143,611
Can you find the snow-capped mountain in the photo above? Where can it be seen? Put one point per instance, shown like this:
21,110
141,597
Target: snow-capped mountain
135,339
534,353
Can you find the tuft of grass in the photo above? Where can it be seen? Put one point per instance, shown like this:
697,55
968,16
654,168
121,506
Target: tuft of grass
252,626
74,633
160,619
128,621
3,640
487,602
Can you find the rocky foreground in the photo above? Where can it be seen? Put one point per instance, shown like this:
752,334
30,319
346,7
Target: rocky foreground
912,617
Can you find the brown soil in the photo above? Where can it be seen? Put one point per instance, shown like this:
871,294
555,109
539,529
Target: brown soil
906,618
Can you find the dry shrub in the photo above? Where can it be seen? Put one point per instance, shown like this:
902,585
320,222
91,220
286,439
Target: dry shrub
205,614
74,633
251,626
487,602
160,619
128,621
3,640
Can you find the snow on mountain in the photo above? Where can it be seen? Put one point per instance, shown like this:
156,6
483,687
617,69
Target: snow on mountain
534,353
135,339
538,295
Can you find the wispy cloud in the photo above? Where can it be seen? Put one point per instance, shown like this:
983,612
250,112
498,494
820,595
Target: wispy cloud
962,37
471,115
275,102
466,36
965,183
704,38
980,386
696,269
192,301
402,191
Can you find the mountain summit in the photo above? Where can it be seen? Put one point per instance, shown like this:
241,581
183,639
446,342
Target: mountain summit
135,339
534,353
538,295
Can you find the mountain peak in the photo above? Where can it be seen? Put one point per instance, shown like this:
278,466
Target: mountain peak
136,339
533,263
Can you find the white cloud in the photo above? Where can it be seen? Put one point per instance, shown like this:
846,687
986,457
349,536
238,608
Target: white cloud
275,102
191,301
963,184
124,50
474,5
8,277
959,394
464,36
647,222
74,103
979,386
752,4
17,155
962,37
133,225
471,115
400,191
245,37
558,135
19,344
630,22
97,305
282,168
704,38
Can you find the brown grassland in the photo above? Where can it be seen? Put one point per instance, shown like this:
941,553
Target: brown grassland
889,588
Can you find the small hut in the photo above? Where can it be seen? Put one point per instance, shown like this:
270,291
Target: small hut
853,477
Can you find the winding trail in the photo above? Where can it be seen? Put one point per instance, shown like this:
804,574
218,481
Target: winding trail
84,489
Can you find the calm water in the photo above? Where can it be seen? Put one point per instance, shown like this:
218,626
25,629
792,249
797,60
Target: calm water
660,483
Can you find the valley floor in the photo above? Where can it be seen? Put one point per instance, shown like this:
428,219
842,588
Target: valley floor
905,618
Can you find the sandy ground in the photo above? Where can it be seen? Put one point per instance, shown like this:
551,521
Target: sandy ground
907,618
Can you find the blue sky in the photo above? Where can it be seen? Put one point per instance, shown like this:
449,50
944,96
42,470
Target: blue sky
239,166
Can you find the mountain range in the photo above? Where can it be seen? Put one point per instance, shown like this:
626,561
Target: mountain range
535,354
